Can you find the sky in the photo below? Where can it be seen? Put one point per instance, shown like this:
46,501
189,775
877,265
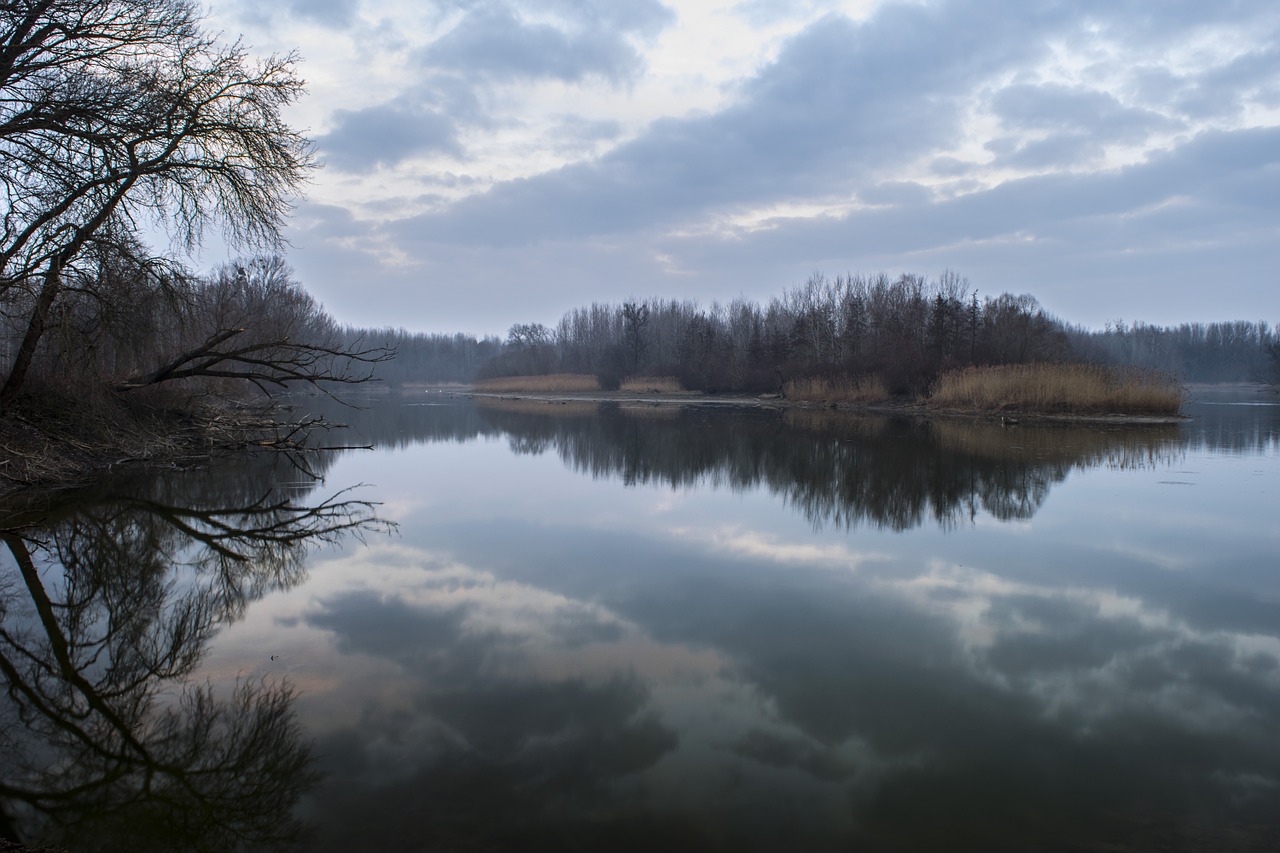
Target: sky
491,162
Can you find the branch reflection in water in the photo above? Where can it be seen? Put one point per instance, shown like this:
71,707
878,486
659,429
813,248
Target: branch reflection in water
106,609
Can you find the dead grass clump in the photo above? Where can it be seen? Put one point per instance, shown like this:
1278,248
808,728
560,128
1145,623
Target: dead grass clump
844,389
1065,388
554,383
651,385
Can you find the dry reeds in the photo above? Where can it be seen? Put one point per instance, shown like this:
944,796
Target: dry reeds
651,385
1057,388
554,383
844,389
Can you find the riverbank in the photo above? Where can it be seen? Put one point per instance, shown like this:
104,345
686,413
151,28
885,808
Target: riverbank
50,444
1055,391
65,444
777,401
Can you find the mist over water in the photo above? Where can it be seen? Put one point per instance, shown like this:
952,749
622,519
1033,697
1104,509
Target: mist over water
618,626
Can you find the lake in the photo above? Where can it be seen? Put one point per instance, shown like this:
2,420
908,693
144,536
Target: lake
536,625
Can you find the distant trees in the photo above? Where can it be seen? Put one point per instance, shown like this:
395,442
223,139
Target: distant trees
426,358
115,113
905,330
1235,351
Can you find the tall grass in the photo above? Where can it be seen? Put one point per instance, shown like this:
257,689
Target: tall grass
651,385
844,389
554,383
1058,388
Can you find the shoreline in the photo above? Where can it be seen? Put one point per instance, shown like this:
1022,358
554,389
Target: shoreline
768,401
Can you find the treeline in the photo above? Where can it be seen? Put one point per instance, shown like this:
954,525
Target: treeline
435,359
1238,351
905,331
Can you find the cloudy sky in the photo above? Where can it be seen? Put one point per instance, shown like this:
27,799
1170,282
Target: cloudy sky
488,162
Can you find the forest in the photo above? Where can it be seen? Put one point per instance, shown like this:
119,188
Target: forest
905,330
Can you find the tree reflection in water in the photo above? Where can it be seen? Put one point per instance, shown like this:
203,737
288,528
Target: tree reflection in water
837,469
106,609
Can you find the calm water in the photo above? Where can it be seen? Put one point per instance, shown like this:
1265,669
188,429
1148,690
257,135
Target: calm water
639,628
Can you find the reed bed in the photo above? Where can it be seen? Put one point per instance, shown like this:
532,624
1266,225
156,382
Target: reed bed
1057,388
554,383
844,389
651,385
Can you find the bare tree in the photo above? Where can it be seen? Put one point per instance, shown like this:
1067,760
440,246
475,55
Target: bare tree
635,318
116,112
251,321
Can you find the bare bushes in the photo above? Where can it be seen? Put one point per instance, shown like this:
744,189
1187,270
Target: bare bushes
841,389
60,436
554,383
1057,388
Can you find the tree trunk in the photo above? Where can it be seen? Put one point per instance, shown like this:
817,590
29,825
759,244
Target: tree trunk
35,330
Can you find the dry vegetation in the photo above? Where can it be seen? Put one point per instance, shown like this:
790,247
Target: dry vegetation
555,383
845,389
652,385
1057,388
54,440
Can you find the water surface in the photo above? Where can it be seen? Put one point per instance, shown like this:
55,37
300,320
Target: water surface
637,627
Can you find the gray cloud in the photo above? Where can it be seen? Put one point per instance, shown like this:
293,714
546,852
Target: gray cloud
497,44
839,114
1061,150
493,41
1202,212
1181,237
1100,115
331,13
842,101
384,135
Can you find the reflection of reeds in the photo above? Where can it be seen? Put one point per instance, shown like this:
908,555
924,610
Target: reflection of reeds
550,408
652,385
1142,447
835,424
1067,388
555,383
650,411
842,389
1139,447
